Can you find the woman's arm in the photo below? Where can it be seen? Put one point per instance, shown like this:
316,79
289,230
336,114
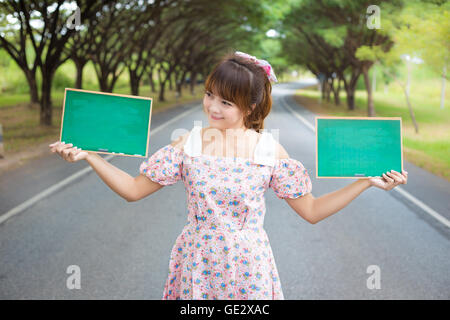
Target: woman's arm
314,210
333,202
129,188
126,186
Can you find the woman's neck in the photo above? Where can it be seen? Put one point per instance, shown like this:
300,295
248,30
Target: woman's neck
233,131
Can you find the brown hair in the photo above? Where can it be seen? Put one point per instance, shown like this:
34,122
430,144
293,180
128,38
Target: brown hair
242,82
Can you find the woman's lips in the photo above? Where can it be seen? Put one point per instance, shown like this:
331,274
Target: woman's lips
215,118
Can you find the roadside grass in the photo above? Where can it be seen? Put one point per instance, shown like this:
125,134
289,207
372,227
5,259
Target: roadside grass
429,148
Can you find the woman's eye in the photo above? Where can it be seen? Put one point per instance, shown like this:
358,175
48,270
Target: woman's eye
209,94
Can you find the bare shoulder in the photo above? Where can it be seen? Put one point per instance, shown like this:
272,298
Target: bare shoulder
180,141
281,153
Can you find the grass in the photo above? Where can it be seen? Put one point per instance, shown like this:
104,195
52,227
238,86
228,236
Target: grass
430,147
20,121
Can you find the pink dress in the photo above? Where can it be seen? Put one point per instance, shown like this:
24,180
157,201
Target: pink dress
223,251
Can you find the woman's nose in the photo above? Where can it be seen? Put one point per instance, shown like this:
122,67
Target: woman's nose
214,108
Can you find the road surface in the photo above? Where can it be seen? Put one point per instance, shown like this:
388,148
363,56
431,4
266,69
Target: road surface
122,249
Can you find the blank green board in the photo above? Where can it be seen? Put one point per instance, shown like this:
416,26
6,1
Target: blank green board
106,123
358,147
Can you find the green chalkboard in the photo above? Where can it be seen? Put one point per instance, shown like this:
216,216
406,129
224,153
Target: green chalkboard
106,122
358,147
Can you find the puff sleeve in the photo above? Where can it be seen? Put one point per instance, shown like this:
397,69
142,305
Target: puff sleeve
164,166
290,179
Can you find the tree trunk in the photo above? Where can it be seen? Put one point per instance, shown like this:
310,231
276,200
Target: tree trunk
161,91
113,83
177,85
328,89
323,89
103,83
193,81
134,82
159,78
374,80
79,65
336,91
350,87
186,85
46,99
151,81
411,112
180,83
370,108
170,82
31,79
351,100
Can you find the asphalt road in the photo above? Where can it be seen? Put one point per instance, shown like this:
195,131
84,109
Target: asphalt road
122,249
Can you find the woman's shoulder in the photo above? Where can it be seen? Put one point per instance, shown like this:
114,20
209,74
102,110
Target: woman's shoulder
280,152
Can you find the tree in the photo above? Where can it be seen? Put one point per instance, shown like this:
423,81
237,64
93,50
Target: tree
111,42
328,35
40,27
424,30
150,24
79,49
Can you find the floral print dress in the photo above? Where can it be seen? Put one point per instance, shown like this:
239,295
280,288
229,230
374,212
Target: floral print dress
223,252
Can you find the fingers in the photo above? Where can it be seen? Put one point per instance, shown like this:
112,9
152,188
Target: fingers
388,179
405,172
58,146
66,152
397,177
394,177
54,146
73,154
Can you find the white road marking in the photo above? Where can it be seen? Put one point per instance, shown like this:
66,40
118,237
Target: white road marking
398,189
23,206
423,206
298,116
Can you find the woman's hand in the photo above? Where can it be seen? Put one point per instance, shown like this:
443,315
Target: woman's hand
390,180
67,152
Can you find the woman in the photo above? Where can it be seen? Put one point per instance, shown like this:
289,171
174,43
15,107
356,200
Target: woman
223,252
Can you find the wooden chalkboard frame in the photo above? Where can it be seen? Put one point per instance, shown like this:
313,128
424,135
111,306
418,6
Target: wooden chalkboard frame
111,94
355,118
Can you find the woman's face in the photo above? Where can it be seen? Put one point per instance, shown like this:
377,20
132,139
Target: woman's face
222,114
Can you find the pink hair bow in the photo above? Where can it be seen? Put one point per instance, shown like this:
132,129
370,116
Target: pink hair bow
262,63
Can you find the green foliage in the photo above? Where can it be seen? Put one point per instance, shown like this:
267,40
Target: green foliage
422,29
61,80
334,36
370,53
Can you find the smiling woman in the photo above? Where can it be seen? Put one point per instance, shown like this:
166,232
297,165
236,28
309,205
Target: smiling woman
238,94
224,252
